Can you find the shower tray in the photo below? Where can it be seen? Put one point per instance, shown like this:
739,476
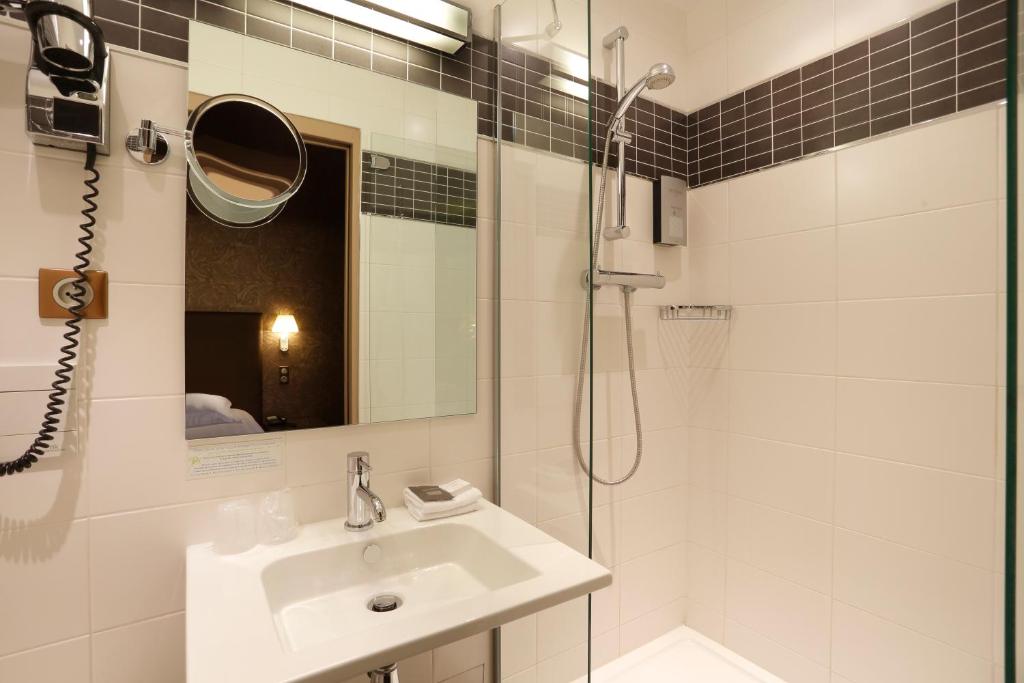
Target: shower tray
685,656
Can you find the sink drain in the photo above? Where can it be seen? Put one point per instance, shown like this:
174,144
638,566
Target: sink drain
384,603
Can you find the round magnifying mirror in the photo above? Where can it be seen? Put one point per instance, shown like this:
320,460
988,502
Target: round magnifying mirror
245,160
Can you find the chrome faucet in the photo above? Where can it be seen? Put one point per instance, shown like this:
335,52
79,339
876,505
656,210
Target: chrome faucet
364,506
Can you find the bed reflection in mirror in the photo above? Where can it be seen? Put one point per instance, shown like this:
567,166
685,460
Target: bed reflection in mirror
357,302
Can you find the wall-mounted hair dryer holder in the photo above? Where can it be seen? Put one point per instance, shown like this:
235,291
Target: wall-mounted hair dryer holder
67,96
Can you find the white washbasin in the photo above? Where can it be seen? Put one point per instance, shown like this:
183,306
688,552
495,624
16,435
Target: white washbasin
299,611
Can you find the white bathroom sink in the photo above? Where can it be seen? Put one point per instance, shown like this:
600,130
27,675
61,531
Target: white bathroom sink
299,611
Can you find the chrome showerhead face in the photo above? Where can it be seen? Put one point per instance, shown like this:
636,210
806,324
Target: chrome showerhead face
660,76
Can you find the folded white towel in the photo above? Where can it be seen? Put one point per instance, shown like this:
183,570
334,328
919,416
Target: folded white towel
421,517
464,499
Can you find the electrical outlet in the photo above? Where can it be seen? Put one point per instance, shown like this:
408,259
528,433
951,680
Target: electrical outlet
56,287
284,374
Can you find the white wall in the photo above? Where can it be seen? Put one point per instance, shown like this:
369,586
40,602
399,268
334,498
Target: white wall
638,526
92,553
845,494
735,44
656,28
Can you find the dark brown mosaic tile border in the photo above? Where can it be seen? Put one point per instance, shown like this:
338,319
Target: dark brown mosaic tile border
418,190
948,60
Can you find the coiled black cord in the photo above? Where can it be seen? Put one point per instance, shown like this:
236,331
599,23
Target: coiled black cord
59,388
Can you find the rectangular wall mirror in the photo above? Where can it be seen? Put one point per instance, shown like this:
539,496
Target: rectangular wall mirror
357,302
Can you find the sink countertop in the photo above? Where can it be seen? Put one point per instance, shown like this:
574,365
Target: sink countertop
251,617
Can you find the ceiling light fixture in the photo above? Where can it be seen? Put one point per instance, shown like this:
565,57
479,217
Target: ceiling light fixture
439,24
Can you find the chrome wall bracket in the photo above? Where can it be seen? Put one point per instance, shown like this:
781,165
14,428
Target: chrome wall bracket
147,144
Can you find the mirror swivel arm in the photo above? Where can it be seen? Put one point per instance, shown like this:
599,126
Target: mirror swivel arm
147,144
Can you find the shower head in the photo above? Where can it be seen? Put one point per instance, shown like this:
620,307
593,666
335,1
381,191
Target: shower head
556,24
659,76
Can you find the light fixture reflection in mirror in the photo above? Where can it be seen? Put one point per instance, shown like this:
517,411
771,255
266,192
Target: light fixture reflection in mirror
284,327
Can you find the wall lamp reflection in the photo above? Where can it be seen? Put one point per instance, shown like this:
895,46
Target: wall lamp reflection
440,24
284,327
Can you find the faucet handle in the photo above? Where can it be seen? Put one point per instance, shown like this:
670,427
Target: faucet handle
359,462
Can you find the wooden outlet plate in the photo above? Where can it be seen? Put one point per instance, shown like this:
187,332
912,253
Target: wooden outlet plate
49,278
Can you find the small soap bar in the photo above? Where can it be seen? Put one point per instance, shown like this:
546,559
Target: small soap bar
430,494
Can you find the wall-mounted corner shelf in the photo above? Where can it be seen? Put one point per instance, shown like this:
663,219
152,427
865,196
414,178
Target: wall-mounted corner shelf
695,312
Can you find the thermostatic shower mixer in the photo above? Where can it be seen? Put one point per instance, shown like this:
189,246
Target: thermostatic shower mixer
66,91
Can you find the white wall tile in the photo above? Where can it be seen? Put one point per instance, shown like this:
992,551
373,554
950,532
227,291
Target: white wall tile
707,620
705,73
786,545
66,662
793,408
518,645
897,421
518,339
519,180
46,574
707,459
941,512
707,209
558,263
777,659
461,655
781,475
644,629
562,487
320,455
561,190
867,649
151,650
561,628
44,494
709,398
706,518
140,350
519,409
145,466
764,203
518,260
37,341
651,522
793,268
798,338
519,485
784,36
710,274
948,339
137,561
665,455
856,20
911,171
705,575
795,617
949,251
647,582
939,598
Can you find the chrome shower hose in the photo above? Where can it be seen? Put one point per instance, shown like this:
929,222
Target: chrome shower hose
584,345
